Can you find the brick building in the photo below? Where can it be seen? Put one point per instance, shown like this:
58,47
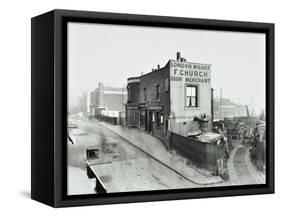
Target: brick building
108,101
176,98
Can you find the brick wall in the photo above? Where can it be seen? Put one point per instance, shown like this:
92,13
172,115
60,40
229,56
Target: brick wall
202,155
135,92
150,81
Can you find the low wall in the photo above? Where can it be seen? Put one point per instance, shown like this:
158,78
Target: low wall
122,121
202,155
111,120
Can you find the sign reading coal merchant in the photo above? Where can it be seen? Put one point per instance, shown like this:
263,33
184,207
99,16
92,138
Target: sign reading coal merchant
190,72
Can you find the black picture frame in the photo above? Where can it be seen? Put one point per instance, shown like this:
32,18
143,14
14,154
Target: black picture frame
49,112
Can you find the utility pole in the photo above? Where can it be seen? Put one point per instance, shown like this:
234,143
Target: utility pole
220,103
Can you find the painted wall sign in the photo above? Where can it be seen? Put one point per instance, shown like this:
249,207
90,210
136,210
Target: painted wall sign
190,72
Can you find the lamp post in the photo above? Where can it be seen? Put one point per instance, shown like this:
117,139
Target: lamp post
203,122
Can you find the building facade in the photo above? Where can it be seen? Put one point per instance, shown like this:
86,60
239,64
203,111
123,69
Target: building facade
176,98
225,108
107,101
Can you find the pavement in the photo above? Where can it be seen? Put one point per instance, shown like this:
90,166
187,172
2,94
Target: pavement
157,150
130,169
143,162
77,183
142,174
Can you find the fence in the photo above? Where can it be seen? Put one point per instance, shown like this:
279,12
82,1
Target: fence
120,119
111,120
203,155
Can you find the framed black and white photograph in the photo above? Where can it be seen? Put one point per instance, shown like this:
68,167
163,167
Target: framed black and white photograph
143,108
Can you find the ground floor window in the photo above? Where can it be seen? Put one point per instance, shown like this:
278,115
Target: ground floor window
132,117
162,119
142,118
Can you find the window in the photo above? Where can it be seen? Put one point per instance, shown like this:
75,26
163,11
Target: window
129,94
162,119
158,92
191,96
144,93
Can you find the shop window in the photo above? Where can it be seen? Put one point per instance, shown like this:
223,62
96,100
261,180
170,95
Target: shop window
191,96
162,119
158,92
142,118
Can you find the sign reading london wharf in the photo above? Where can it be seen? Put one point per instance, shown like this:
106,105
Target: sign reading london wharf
190,72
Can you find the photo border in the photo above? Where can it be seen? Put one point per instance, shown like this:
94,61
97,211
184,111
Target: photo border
62,17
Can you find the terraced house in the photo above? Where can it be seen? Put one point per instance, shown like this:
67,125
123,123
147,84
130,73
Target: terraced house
174,99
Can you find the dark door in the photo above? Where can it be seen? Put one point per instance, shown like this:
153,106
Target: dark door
145,121
150,122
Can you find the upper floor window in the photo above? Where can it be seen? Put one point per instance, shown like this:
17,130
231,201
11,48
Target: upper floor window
129,93
144,94
191,96
158,92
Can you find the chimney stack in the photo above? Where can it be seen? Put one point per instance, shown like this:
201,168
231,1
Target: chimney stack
100,85
178,56
158,66
100,94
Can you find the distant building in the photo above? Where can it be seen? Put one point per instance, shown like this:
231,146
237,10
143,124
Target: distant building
81,105
172,99
109,101
225,108
85,102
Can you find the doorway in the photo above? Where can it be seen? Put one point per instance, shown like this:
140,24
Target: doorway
150,122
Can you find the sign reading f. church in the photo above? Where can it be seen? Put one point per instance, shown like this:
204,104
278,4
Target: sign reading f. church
190,72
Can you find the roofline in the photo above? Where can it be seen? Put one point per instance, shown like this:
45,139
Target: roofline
130,78
167,64
156,70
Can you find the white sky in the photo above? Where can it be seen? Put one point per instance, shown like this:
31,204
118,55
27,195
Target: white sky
112,53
